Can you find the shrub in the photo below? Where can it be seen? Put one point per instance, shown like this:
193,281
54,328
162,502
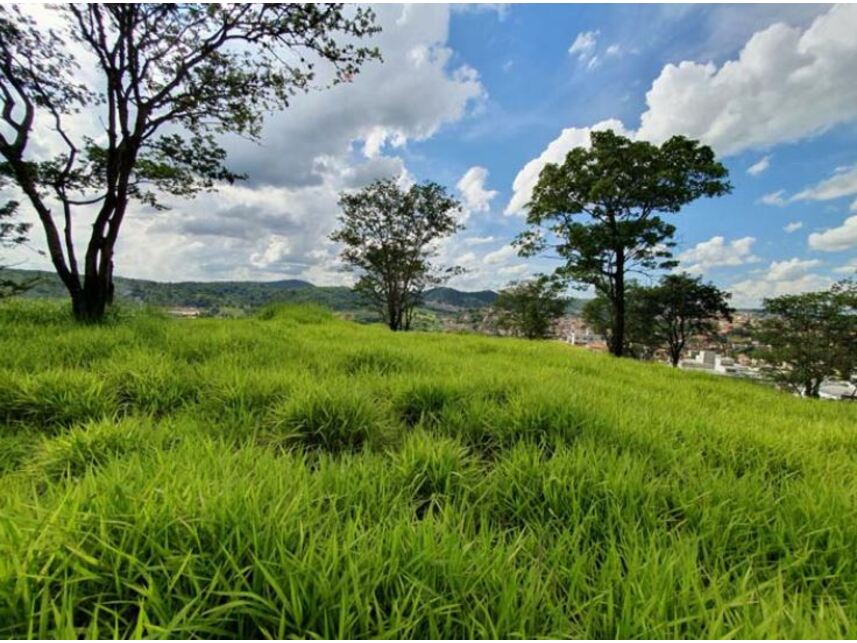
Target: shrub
53,399
425,403
433,470
92,445
327,419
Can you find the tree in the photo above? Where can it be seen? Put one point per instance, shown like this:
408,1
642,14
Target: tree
530,308
388,235
174,77
679,307
620,187
810,337
12,233
597,313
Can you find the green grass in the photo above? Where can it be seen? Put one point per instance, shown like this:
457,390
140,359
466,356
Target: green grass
295,475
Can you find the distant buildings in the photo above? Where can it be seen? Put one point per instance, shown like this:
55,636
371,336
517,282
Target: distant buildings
185,312
713,362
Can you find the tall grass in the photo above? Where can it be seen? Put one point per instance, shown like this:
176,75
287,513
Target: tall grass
295,475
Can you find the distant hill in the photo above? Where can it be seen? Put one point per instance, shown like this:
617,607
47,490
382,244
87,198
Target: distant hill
246,295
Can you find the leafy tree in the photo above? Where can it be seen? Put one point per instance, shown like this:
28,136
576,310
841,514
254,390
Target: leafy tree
619,188
12,233
597,313
810,337
530,308
677,308
389,235
173,78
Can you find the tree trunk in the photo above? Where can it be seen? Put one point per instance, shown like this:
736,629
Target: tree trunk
89,303
617,339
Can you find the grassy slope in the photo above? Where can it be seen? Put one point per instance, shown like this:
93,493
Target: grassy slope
297,475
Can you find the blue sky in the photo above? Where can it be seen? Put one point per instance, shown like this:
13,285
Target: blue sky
479,97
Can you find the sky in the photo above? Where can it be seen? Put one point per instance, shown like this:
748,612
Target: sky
480,97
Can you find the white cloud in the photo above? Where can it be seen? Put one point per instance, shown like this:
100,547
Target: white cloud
790,269
749,293
759,166
849,268
853,207
786,84
472,187
501,255
835,239
842,183
718,252
613,50
477,241
555,152
794,226
584,45
277,223
775,198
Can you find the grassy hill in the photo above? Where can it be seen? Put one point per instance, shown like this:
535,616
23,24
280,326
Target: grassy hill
294,474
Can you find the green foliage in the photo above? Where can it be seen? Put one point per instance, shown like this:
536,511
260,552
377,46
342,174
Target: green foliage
173,79
620,188
92,445
676,309
336,421
810,337
388,235
453,487
530,308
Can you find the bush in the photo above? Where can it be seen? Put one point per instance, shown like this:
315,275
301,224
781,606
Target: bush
92,445
53,399
425,403
335,421
434,470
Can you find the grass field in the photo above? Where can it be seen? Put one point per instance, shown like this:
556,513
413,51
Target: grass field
297,475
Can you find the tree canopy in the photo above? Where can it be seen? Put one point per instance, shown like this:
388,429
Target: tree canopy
12,233
530,308
172,79
601,211
678,308
389,236
810,337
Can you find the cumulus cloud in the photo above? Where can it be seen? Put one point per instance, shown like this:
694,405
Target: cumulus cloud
276,224
501,255
794,226
759,166
555,152
749,293
787,277
789,269
718,252
834,239
762,98
843,183
758,100
472,188
849,268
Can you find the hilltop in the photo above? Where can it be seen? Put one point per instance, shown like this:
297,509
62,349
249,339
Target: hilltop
296,475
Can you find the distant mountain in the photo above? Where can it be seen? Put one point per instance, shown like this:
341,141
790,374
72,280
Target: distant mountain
459,299
247,294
